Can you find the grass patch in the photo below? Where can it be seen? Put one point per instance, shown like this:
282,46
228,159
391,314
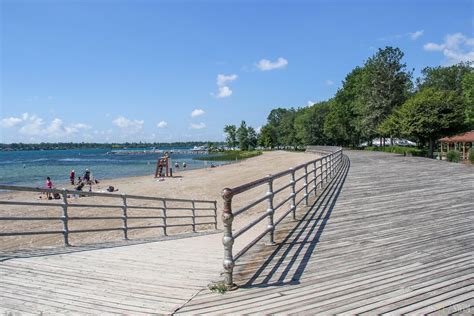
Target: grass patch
230,155
410,151
218,287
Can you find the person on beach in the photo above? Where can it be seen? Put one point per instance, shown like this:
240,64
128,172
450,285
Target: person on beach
184,165
49,185
87,176
72,176
176,165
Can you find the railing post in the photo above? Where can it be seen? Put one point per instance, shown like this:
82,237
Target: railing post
194,215
228,239
270,212
306,184
215,214
65,219
125,217
293,193
165,222
315,182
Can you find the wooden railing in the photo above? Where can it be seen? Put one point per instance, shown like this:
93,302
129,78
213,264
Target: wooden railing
316,172
195,212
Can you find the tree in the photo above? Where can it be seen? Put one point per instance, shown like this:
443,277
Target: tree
431,114
444,78
309,124
243,137
252,137
468,94
231,135
387,87
267,137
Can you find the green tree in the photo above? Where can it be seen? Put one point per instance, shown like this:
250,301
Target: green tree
268,137
309,124
252,137
231,135
387,86
431,114
444,78
243,136
468,93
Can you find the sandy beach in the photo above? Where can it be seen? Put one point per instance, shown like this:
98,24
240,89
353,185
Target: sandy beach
205,184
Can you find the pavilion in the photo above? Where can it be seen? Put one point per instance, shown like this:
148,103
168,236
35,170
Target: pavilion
462,143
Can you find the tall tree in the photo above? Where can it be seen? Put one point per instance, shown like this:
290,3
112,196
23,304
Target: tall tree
231,135
468,94
309,124
243,136
268,137
431,114
252,137
388,86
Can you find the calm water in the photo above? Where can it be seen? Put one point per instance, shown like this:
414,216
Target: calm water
32,167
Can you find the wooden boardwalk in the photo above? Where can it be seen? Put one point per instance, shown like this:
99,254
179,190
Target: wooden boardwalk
389,234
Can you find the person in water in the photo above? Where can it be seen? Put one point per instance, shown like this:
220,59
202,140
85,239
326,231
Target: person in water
87,176
49,185
184,165
72,176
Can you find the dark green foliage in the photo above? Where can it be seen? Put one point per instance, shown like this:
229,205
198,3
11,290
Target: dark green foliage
410,151
231,135
453,156
243,136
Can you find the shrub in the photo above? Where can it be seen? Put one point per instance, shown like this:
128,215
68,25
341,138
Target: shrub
471,155
453,156
399,150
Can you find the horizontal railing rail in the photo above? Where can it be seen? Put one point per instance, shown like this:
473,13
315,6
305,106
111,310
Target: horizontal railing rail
316,172
167,211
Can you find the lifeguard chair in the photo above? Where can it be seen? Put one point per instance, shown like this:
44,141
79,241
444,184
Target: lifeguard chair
162,167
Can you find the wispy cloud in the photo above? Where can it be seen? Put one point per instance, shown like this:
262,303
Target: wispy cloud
417,34
131,126
222,85
197,126
162,124
266,65
456,48
197,112
411,35
329,82
32,125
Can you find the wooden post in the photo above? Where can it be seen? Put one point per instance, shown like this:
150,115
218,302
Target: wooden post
65,219
270,212
215,214
125,216
228,239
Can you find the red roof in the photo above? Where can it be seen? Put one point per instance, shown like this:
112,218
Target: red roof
461,138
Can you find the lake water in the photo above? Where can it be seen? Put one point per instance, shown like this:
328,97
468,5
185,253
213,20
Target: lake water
32,167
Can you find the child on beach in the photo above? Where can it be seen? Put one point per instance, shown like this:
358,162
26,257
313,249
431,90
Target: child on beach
49,185
72,176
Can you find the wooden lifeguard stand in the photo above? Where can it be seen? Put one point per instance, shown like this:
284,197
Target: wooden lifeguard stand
162,167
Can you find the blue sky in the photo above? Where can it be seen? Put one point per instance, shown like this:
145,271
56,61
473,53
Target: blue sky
180,70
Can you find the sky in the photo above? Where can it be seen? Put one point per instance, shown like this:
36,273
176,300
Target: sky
164,71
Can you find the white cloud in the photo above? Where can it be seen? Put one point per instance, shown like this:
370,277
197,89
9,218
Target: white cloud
224,92
310,103
132,125
258,130
223,79
417,34
197,112
10,122
223,89
329,82
456,48
266,65
162,124
197,126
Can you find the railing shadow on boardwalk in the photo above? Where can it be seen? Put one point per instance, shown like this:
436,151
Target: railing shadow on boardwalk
287,262
42,252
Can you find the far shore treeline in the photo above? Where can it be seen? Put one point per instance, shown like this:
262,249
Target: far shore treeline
379,99
59,146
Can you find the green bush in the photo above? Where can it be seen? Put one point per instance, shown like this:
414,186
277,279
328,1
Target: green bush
399,150
230,155
453,156
471,155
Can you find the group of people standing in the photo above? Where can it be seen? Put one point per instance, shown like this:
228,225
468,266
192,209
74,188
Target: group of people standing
81,182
